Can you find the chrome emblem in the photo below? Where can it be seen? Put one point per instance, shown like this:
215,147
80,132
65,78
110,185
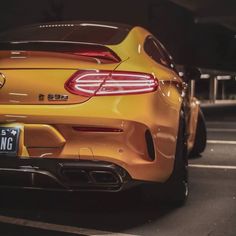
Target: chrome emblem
53,97
2,80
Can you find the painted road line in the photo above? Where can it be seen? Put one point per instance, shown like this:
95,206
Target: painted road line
57,228
221,142
212,166
220,122
221,130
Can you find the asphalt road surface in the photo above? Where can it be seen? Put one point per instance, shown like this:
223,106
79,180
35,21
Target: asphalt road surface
210,209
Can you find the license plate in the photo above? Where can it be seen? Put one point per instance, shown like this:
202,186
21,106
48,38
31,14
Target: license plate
9,140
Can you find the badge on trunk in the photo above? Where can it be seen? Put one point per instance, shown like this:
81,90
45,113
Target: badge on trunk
53,97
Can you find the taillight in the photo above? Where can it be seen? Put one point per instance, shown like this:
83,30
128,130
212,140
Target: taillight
101,83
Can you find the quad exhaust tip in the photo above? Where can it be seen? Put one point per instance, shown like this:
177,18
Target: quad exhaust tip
72,176
78,176
104,177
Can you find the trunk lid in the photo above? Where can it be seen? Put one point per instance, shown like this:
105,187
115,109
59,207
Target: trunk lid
39,77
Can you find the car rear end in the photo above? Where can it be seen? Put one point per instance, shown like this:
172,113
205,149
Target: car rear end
70,119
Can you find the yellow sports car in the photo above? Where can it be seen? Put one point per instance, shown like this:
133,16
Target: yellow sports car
96,107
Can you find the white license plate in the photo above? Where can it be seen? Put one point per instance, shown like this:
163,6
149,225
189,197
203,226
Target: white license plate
9,140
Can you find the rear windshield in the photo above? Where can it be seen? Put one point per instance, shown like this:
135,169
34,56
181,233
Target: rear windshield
77,32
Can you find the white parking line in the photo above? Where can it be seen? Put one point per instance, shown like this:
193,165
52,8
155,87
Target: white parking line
212,166
221,142
221,122
56,227
220,130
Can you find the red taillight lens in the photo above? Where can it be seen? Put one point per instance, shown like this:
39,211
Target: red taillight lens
102,83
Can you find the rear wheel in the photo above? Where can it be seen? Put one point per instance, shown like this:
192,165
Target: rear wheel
175,191
201,136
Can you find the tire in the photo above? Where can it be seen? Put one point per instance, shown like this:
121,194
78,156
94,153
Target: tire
201,136
175,191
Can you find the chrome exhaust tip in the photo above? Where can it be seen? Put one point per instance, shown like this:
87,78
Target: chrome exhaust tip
76,176
104,177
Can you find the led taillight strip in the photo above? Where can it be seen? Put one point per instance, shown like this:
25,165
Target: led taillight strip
101,83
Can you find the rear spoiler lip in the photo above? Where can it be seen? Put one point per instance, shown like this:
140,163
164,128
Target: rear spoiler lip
22,46
50,41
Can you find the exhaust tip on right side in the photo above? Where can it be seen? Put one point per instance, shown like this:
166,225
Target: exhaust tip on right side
104,177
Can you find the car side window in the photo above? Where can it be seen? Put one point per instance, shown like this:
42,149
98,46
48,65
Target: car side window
153,50
158,53
167,56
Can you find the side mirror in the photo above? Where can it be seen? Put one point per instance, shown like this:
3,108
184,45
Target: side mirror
191,73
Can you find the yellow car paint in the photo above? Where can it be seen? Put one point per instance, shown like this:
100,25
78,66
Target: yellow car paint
47,127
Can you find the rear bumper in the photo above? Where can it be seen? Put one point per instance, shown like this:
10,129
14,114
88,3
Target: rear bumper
144,146
68,175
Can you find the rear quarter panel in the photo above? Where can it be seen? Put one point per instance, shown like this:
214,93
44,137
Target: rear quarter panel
166,101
